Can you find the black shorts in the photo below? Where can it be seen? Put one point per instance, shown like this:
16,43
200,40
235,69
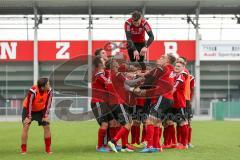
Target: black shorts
139,113
189,110
139,47
136,112
36,116
120,113
178,115
101,112
161,109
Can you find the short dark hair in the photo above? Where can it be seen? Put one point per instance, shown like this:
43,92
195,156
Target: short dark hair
98,51
97,60
171,58
136,15
42,82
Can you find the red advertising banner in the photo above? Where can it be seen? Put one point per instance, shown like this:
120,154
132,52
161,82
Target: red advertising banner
66,50
16,50
182,48
61,50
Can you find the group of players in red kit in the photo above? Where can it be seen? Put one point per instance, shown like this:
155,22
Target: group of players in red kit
124,96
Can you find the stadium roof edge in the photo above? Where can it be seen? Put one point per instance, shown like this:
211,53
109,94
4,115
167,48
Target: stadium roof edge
24,7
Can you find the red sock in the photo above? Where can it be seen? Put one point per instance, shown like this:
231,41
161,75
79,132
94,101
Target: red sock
184,133
166,136
160,135
156,137
149,135
133,134
143,134
125,138
123,131
189,134
24,148
112,132
48,142
173,134
117,129
101,135
178,134
137,140
169,140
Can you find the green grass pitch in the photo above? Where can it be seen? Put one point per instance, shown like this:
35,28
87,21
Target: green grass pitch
213,140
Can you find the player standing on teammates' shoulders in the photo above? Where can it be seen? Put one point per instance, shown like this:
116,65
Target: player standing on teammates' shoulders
135,28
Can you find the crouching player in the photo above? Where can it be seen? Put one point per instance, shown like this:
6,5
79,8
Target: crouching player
36,107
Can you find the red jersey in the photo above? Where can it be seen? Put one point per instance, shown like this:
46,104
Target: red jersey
168,77
99,87
118,80
38,101
140,101
160,81
178,95
192,85
114,93
137,33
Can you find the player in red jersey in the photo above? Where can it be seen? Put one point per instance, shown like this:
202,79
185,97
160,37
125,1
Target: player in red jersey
36,107
180,104
135,28
99,98
163,78
169,131
189,92
113,125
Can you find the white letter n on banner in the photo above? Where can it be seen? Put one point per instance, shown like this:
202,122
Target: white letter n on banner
7,51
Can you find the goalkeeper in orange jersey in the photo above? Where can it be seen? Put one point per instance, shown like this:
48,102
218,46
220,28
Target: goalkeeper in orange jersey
36,107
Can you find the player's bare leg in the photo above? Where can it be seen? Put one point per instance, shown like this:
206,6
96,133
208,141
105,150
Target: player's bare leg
24,138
